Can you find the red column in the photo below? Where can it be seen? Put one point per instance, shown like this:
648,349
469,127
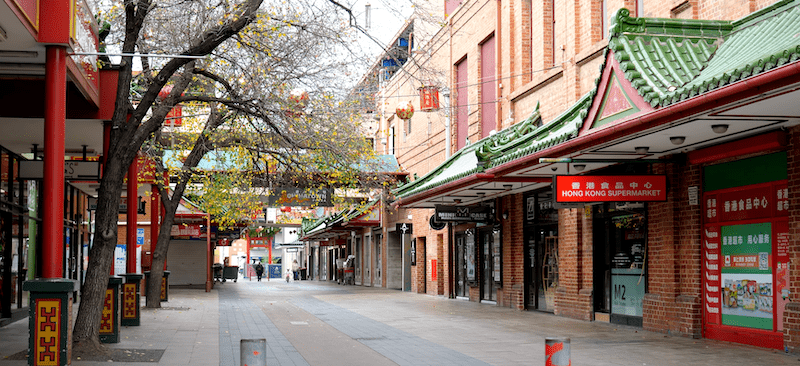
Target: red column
133,203
55,106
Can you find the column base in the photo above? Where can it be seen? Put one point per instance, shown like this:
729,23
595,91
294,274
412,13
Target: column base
110,321
50,309
131,298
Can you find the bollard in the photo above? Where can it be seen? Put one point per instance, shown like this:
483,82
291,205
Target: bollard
556,352
253,352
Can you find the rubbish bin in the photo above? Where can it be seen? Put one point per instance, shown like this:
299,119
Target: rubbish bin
303,273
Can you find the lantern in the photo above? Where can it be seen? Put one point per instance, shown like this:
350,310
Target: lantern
428,98
175,115
298,98
297,102
404,110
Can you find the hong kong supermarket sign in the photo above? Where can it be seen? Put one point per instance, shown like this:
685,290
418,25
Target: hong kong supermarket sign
610,188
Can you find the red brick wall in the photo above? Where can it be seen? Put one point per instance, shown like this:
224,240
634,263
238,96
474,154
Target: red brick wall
572,298
673,259
791,318
513,249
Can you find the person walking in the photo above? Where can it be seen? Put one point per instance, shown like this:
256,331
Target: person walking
259,270
296,270
288,275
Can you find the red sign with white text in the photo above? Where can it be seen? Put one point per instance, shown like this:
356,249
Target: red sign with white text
610,188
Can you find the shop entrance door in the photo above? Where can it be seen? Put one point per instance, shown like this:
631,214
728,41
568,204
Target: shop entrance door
460,266
619,273
542,267
488,289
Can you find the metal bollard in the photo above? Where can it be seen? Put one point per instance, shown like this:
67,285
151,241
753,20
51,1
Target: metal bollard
556,351
253,352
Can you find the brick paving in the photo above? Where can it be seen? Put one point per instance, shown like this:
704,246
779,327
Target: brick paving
320,323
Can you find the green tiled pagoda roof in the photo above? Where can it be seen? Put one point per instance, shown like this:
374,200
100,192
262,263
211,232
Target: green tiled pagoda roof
670,60
518,140
666,61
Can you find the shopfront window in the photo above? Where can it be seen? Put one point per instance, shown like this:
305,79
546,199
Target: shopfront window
13,234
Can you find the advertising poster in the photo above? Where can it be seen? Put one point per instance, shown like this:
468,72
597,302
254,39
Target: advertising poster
747,289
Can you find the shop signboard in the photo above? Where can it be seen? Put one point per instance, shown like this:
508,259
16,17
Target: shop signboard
299,197
477,213
747,285
610,188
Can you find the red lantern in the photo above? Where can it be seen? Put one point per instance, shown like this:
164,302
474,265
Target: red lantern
298,98
428,98
404,110
286,209
174,117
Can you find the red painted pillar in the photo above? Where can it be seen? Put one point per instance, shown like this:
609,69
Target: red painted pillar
55,106
133,203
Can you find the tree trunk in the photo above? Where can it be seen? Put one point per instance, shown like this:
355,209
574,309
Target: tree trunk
160,254
101,256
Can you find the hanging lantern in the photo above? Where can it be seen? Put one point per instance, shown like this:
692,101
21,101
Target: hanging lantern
286,209
298,98
428,98
404,110
297,101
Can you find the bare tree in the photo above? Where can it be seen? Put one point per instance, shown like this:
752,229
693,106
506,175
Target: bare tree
254,55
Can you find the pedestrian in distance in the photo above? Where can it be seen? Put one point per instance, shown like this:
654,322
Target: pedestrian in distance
288,275
259,271
296,270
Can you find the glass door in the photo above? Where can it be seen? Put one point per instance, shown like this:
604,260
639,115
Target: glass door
460,266
488,289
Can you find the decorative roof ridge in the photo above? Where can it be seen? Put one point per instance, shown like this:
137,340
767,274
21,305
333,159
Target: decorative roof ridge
358,211
403,189
622,23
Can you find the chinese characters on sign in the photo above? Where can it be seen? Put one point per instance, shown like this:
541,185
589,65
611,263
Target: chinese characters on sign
602,188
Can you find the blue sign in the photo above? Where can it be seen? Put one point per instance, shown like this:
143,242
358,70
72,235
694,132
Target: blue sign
274,270
140,236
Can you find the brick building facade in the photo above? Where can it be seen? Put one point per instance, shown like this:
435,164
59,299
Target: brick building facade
554,66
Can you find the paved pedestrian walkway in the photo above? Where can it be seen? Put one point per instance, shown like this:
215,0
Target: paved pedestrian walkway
321,323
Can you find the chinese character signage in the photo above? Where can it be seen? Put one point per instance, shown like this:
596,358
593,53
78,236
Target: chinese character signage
610,188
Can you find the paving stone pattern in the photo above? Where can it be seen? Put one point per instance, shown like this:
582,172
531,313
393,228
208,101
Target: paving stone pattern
240,318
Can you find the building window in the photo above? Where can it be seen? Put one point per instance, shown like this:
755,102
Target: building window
408,127
462,104
450,6
488,87
390,147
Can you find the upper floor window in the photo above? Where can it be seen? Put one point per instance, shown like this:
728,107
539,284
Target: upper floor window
450,6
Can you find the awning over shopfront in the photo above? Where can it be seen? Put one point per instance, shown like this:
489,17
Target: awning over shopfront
340,223
667,87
